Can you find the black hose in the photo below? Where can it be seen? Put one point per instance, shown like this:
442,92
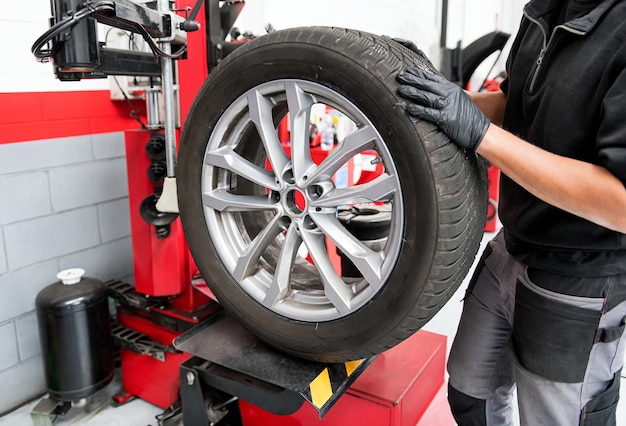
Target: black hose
65,24
155,49
89,9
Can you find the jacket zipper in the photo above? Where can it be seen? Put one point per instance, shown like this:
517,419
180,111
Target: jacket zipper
546,44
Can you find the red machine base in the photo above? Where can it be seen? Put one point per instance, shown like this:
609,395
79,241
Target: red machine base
403,386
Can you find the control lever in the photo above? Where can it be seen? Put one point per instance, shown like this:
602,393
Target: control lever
168,201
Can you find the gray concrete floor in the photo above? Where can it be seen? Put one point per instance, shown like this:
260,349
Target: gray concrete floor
99,412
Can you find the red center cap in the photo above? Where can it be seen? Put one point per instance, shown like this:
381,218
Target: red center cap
297,201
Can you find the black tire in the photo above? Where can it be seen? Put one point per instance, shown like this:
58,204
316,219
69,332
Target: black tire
440,189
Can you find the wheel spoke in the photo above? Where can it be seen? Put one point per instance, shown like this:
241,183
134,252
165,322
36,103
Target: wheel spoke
225,201
282,276
261,115
380,189
227,158
367,261
337,291
250,258
299,104
354,143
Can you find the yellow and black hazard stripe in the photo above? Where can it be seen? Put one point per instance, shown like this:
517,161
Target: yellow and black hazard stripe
331,379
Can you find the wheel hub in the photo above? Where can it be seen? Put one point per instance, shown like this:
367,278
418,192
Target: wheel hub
296,203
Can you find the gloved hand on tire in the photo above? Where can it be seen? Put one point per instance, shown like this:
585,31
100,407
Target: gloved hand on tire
435,99
409,45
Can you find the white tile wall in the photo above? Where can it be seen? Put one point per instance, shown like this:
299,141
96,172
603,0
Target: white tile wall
25,11
26,381
48,237
23,73
112,226
28,332
8,350
3,257
79,185
44,154
65,205
108,145
18,289
104,262
25,196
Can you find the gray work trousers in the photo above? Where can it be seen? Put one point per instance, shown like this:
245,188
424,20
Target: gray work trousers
558,339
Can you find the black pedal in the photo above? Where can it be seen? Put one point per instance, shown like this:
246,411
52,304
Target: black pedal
126,295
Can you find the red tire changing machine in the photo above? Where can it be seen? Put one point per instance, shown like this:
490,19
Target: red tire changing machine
178,349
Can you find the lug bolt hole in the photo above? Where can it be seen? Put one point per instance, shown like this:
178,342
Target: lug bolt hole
275,197
314,192
296,202
285,222
288,177
308,224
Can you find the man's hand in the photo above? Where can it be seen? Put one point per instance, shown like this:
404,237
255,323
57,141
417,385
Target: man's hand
409,45
445,104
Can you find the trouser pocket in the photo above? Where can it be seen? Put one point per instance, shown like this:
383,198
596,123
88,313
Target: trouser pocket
478,270
613,338
601,410
553,334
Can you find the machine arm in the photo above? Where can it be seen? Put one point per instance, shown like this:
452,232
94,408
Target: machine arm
72,44
77,53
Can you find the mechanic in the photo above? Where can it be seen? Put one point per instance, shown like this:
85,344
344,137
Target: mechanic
545,308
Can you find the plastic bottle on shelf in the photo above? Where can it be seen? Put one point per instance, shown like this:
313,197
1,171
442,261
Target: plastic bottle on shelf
327,132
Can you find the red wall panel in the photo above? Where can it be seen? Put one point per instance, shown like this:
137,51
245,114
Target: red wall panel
28,116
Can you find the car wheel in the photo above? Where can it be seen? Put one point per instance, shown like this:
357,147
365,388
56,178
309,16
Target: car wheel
266,219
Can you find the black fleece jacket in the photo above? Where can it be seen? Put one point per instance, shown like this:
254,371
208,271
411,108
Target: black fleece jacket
566,93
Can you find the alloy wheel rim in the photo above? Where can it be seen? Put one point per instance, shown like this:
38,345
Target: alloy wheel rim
267,212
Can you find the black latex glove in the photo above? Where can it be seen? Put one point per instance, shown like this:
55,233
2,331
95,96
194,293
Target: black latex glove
445,104
409,45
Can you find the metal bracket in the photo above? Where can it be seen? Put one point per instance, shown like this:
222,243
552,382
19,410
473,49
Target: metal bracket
47,410
220,17
265,377
125,293
139,343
